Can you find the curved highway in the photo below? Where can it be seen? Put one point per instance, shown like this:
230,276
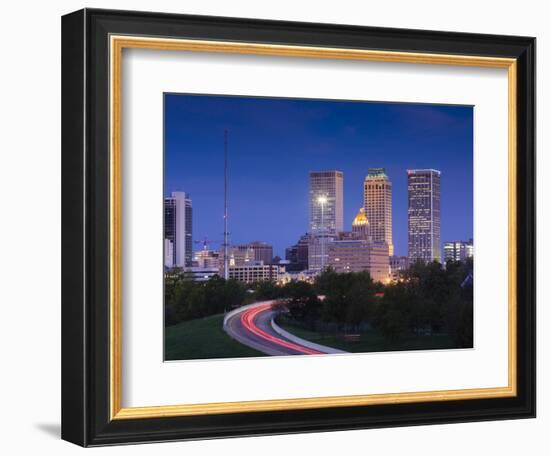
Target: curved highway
251,326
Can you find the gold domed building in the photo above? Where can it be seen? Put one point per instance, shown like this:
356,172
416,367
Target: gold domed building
355,251
361,226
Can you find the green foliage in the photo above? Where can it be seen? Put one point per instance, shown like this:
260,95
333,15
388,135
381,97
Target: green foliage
428,299
266,290
203,338
395,314
186,300
302,301
460,312
349,298
370,340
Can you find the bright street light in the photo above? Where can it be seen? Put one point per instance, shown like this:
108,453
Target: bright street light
322,199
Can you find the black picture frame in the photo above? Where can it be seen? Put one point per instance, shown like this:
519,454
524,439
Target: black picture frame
85,225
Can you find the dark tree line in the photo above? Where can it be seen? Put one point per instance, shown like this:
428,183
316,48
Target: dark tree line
186,300
428,299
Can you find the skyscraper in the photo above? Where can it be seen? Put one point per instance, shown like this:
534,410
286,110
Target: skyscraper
326,202
178,229
424,214
377,200
326,214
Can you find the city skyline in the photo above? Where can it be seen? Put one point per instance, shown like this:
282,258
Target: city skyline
268,200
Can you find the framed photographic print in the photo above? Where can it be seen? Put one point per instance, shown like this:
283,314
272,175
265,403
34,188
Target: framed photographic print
278,227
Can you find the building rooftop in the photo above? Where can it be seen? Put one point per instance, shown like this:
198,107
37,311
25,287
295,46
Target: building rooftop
376,173
328,172
361,218
422,171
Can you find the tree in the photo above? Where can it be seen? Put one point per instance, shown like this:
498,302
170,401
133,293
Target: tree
185,299
266,289
348,297
431,287
429,299
460,315
326,281
302,302
235,293
395,314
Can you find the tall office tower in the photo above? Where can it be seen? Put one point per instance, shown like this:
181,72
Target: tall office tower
178,229
378,206
326,202
424,215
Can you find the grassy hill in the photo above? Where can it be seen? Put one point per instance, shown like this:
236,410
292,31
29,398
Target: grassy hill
203,338
370,341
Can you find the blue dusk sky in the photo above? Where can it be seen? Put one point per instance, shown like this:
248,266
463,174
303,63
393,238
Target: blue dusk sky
274,143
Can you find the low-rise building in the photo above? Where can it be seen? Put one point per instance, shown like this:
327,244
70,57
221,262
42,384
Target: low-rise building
458,250
297,276
262,251
198,274
254,272
357,255
297,254
318,246
242,254
398,264
207,259
168,253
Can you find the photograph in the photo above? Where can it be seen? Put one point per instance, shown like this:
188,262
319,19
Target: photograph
298,226
293,224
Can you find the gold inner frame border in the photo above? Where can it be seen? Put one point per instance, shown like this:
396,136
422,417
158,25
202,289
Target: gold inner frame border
116,46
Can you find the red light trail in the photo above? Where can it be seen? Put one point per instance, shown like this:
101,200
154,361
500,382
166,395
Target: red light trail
247,320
